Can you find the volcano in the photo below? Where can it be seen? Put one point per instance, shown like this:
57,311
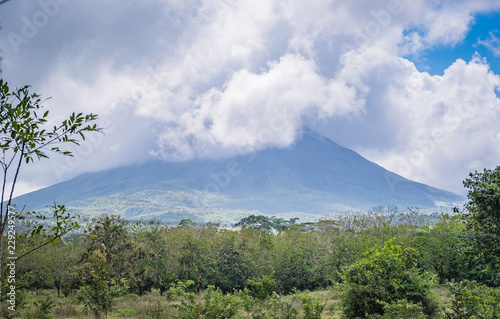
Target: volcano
312,178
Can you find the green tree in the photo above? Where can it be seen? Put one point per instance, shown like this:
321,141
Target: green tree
108,263
98,289
63,257
187,222
260,222
385,276
295,260
110,236
312,308
24,138
470,299
160,258
266,223
481,242
439,247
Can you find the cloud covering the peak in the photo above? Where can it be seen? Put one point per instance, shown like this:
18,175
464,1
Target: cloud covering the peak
198,78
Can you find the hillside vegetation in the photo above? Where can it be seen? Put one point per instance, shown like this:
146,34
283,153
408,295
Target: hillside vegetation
204,271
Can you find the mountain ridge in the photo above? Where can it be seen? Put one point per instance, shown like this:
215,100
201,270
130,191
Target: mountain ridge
313,177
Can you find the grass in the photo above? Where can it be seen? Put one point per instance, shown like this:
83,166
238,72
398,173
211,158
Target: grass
152,305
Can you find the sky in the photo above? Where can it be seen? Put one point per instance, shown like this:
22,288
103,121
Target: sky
412,85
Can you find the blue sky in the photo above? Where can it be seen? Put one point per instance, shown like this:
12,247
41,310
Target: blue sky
436,60
410,84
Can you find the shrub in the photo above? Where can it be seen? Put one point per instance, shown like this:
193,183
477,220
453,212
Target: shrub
312,307
42,309
264,288
214,304
248,302
472,300
400,309
385,276
279,307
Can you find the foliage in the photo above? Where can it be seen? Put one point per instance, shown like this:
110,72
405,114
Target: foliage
113,253
109,236
263,288
157,259
248,302
105,264
400,309
24,137
260,222
385,275
213,304
265,223
473,300
312,308
98,290
187,222
296,258
42,310
280,307
483,220
438,245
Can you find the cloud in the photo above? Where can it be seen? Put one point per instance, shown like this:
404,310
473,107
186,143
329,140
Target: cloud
255,111
438,125
198,78
492,44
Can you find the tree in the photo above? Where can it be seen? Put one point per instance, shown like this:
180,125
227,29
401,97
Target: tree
107,265
158,260
24,138
481,243
260,222
98,290
470,299
385,276
265,223
109,235
63,258
439,247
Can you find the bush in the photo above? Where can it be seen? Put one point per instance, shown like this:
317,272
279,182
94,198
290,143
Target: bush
151,307
401,309
383,277
42,309
279,307
312,308
264,288
472,300
214,304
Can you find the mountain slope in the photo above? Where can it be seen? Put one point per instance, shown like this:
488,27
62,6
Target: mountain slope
315,177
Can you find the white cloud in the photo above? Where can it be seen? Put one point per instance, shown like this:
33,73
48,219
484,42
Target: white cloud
441,125
492,44
204,78
255,111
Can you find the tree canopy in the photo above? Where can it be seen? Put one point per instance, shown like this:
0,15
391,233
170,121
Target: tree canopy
481,244
24,138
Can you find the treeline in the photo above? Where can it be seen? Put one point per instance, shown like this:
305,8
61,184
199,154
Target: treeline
114,255
302,256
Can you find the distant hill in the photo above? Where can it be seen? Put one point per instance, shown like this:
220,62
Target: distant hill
314,177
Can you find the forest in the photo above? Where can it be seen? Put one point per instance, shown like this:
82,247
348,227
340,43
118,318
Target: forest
378,264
